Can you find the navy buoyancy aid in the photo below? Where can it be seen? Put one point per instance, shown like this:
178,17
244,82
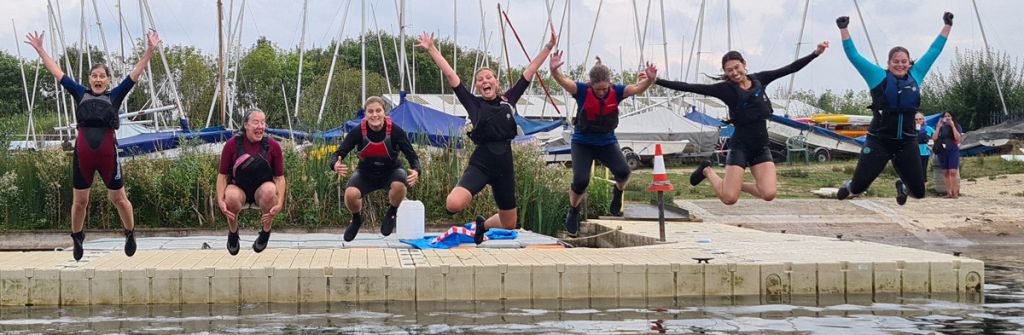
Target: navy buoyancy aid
598,115
894,102
97,111
495,122
377,153
249,172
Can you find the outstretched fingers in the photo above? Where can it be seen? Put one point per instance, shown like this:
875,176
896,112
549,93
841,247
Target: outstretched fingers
425,41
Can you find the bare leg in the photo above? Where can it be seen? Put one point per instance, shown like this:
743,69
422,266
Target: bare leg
728,189
505,219
458,199
397,193
79,207
124,207
266,198
765,182
353,200
234,197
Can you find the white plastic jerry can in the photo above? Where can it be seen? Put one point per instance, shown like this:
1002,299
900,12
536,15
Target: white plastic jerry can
411,220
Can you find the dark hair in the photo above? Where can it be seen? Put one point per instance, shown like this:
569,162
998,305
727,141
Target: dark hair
104,66
731,55
600,73
951,116
248,115
895,49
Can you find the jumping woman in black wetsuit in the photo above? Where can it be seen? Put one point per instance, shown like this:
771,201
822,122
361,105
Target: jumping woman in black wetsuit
895,99
95,145
494,126
749,108
377,142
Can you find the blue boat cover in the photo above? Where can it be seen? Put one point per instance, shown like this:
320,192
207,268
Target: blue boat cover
531,127
424,125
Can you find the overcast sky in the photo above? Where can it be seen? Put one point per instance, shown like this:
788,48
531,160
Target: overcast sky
765,31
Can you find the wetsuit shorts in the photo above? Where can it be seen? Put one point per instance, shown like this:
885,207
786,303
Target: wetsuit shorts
491,164
368,182
743,156
96,151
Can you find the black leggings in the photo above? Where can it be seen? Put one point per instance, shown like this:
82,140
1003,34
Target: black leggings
905,157
584,155
924,168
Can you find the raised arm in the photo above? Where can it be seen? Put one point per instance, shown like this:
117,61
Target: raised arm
426,42
923,64
872,74
769,76
717,90
556,62
35,39
647,78
538,60
152,39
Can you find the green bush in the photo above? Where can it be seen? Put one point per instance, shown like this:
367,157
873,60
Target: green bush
35,191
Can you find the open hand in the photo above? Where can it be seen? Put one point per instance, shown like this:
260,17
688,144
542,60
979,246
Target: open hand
650,72
227,213
153,39
340,168
425,41
414,176
556,60
35,39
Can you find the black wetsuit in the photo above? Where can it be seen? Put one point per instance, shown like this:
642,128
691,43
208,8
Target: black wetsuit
96,145
494,126
748,111
377,169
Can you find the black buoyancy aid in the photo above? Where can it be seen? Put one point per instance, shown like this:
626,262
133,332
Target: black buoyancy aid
97,111
377,153
894,102
753,105
496,122
249,172
598,115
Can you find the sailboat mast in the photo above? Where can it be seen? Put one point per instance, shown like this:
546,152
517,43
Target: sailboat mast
220,62
302,52
796,55
363,48
988,51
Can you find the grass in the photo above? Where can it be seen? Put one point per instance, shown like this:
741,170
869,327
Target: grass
797,181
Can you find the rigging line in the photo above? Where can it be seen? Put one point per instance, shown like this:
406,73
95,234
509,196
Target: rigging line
991,61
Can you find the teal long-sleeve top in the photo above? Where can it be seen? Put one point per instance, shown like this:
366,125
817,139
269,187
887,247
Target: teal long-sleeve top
874,75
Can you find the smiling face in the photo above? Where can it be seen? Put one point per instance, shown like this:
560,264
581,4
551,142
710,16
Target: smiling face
374,115
255,126
486,84
99,79
735,70
899,61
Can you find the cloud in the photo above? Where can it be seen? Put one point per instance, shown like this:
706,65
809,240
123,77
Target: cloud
765,31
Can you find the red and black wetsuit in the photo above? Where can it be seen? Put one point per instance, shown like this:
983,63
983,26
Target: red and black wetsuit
378,156
96,146
250,164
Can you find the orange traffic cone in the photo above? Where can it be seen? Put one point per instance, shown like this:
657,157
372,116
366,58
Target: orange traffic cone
660,182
